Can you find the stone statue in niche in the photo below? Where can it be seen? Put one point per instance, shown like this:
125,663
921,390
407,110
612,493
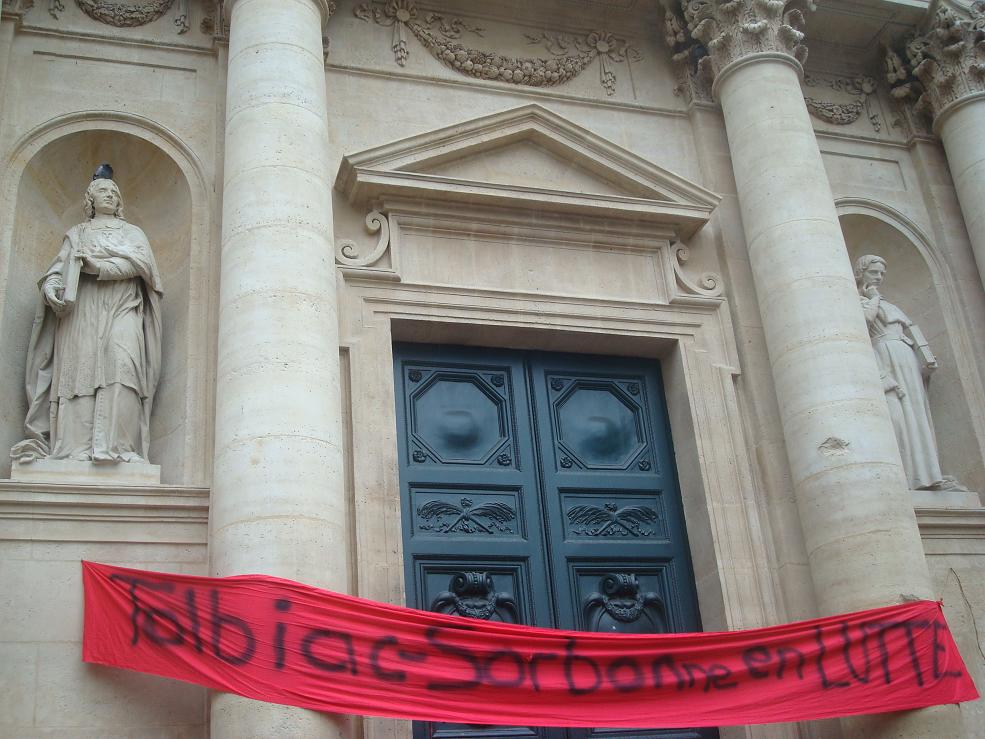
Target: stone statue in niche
95,353
905,365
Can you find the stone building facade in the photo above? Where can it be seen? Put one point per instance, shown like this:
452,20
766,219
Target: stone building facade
341,195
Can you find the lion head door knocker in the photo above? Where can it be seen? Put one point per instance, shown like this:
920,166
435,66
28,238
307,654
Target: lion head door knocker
620,606
473,594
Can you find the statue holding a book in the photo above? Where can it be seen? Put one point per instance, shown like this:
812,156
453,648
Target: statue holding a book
95,353
905,364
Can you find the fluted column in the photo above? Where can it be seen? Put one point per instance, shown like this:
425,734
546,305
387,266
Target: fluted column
861,535
278,501
944,69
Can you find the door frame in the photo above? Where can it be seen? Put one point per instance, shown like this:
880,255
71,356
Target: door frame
691,337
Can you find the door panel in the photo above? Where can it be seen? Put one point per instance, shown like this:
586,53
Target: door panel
470,501
620,555
540,489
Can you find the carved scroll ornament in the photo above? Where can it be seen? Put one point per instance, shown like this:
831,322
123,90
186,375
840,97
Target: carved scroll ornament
347,251
708,285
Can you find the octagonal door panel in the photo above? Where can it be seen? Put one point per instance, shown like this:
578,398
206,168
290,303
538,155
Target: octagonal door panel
540,488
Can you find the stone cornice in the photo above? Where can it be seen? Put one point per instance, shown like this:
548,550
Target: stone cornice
944,63
733,30
58,512
951,523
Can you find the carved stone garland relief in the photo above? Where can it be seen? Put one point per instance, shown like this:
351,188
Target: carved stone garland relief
570,55
842,112
127,13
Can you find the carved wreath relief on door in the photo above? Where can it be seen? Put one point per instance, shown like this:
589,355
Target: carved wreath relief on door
490,518
611,520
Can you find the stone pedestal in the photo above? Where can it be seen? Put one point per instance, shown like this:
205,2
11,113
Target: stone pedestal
67,472
946,499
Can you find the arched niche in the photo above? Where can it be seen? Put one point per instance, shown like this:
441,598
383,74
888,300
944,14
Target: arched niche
46,200
919,282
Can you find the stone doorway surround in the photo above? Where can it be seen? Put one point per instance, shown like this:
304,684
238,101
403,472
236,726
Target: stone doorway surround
473,250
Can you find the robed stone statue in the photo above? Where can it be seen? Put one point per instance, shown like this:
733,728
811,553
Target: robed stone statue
905,364
95,353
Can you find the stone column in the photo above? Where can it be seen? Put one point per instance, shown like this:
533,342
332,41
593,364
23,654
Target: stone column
278,503
948,64
861,536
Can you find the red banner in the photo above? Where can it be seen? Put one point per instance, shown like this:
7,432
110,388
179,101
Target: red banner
283,642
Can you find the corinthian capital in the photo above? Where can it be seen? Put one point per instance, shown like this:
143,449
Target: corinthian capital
946,62
733,29
15,8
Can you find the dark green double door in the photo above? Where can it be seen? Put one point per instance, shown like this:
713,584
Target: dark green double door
540,489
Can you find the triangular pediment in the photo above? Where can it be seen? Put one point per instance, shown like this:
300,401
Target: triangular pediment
527,158
529,163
